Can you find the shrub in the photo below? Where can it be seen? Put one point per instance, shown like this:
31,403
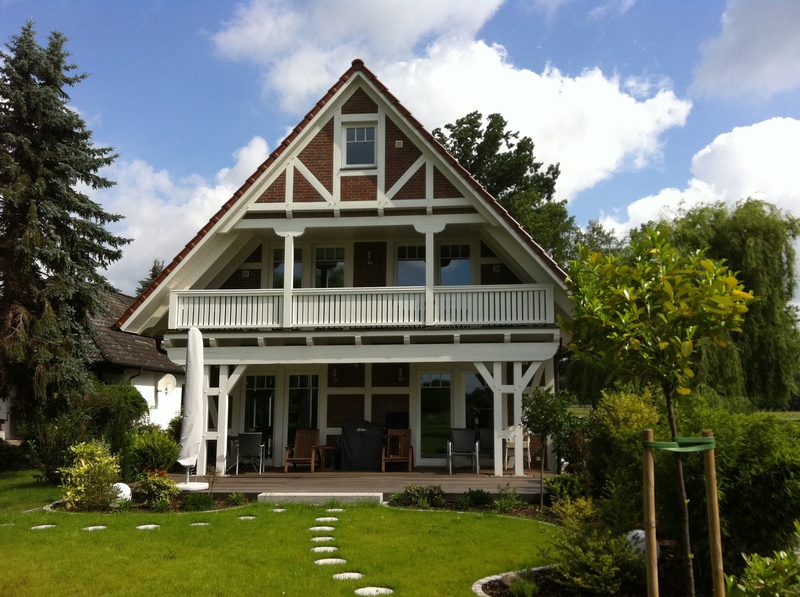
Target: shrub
174,428
474,498
51,441
567,486
197,502
778,576
89,483
419,496
237,499
595,561
154,449
155,489
12,457
508,499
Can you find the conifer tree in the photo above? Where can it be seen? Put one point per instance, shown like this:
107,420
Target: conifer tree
53,237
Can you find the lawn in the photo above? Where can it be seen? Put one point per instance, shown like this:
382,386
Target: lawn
412,552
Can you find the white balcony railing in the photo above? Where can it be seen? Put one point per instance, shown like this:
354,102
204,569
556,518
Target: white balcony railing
402,307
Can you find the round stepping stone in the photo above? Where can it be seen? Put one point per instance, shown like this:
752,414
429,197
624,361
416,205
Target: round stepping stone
327,519
198,524
374,591
247,518
322,529
98,527
348,576
330,561
39,527
147,527
279,509
334,510
324,549
321,539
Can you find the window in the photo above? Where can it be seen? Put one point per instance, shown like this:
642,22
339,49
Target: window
479,402
329,268
278,267
303,403
360,146
411,265
435,414
259,408
454,265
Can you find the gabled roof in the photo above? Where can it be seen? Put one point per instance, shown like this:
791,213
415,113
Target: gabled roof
114,347
357,66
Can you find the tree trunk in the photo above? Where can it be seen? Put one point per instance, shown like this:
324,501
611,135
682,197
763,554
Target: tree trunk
687,541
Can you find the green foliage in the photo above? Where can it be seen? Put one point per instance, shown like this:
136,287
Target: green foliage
13,458
52,441
778,576
758,480
595,561
757,240
174,427
474,498
53,240
506,166
507,500
154,488
237,499
155,271
419,496
522,585
89,483
154,449
643,317
567,486
197,502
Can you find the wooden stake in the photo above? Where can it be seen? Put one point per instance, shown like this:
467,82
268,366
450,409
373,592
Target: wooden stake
649,490
714,535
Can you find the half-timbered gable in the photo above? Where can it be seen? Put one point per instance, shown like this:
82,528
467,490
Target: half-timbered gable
360,273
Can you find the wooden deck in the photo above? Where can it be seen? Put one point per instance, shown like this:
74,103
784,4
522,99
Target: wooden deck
387,483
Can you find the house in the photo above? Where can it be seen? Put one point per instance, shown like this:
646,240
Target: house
360,274
117,356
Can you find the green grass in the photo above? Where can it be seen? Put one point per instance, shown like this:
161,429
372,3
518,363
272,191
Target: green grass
412,552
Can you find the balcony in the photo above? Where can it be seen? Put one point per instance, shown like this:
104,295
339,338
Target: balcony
392,307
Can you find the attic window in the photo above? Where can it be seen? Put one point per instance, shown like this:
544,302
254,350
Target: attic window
360,146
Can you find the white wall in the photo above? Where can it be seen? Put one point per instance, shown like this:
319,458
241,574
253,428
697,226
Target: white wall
163,405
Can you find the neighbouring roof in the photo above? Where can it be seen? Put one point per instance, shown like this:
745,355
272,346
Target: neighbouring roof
357,66
124,349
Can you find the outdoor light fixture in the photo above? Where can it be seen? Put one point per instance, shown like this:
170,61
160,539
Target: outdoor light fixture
369,257
399,374
335,376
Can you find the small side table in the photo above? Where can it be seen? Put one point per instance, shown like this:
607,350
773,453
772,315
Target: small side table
323,457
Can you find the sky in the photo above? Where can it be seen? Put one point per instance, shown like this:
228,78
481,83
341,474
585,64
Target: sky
647,105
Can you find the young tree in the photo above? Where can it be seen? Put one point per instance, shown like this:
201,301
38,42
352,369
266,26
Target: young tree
756,239
53,238
645,318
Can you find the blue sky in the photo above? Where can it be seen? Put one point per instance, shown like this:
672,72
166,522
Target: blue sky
644,103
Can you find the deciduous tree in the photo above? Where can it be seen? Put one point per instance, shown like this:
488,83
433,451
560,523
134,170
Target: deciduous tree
643,318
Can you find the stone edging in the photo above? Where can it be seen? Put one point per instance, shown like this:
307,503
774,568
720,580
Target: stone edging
477,586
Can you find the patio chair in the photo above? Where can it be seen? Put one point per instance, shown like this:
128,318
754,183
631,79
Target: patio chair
304,450
510,445
249,450
462,442
398,448
486,437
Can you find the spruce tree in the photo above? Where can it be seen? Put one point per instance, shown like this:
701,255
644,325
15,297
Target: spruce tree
53,237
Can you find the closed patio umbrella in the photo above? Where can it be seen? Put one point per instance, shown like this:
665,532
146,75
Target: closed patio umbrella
192,423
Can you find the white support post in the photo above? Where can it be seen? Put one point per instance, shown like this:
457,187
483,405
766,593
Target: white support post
222,421
430,262
288,279
519,451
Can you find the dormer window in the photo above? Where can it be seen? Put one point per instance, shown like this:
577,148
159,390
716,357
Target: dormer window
360,146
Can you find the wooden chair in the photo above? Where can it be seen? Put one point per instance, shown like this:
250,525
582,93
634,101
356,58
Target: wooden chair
304,450
398,448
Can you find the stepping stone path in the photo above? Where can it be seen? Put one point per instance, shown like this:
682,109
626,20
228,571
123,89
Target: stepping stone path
339,561
39,527
147,527
247,518
198,524
98,527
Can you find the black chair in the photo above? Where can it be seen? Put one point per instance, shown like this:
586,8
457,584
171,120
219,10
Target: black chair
462,442
250,450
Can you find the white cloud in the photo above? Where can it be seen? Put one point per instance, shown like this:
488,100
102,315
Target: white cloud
754,161
758,52
591,123
162,215
303,46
